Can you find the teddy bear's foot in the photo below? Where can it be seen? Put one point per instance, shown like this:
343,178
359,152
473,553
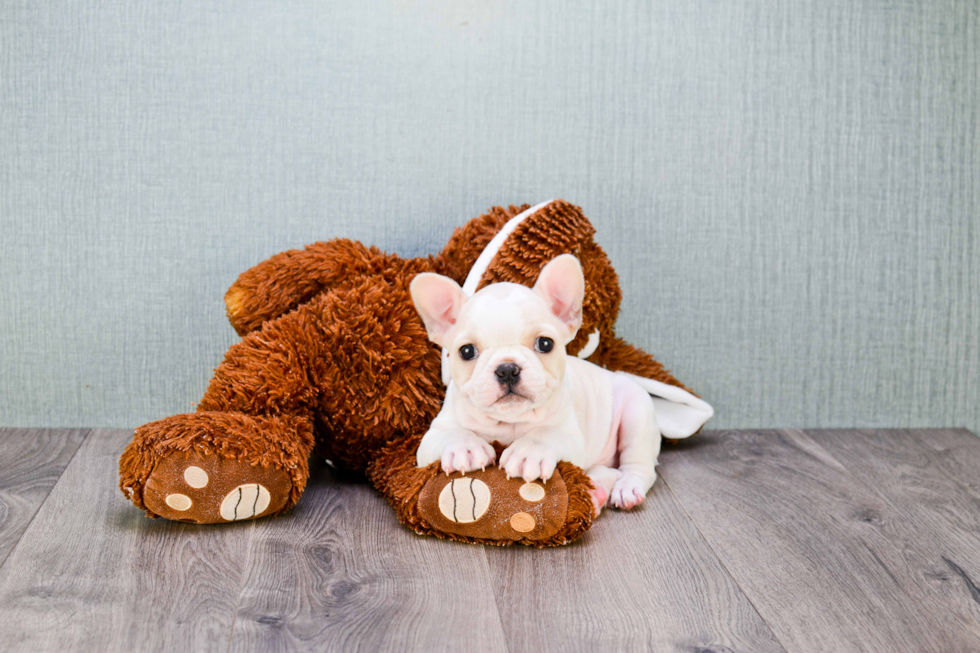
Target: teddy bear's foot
486,506
214,467
211,489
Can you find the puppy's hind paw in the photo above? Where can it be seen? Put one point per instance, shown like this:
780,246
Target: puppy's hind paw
599,497
628,492
603,480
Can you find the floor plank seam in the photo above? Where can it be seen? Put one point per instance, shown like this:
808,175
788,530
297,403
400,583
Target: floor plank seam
241,585
496,599
724,566
3,563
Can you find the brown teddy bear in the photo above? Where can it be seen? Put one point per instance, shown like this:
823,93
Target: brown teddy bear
334,355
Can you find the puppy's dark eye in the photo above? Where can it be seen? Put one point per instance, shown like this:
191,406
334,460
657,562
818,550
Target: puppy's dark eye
544,345
467,352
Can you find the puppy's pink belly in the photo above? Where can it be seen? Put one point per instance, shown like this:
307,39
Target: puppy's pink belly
608,456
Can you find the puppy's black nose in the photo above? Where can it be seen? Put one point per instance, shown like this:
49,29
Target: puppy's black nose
508,373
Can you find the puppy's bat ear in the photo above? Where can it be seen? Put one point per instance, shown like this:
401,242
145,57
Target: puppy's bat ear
438,300
562,286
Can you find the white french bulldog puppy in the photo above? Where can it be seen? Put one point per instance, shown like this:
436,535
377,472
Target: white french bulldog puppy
513,382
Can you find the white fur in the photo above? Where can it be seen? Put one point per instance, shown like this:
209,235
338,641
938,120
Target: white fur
562,408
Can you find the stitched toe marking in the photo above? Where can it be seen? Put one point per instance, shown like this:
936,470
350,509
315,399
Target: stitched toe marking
522,522
532,492
196,477
179,502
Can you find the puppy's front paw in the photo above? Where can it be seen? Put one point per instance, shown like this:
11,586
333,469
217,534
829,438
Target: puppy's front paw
466,453
529,460
629,491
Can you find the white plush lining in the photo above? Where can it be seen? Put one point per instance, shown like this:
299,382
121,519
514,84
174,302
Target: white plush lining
486,256
590,345
679,413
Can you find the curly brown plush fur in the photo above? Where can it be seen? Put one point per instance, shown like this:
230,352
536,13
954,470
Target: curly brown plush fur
334,354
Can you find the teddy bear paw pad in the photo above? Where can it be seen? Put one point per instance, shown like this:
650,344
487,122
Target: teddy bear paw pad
489,506
245,502
464,500
210,489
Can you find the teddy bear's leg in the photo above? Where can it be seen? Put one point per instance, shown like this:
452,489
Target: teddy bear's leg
484,506
281,283
245,452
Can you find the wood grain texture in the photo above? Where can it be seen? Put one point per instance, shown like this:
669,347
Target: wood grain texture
825,549
643,580
340,573
31,462
956,456
751,541
91,573
931,480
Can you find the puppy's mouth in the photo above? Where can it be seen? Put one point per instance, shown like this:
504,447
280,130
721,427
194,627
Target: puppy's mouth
511,397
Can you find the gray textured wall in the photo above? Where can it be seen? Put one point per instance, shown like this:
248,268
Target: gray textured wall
790,191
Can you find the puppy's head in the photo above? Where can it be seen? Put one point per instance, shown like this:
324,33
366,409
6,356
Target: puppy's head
506,343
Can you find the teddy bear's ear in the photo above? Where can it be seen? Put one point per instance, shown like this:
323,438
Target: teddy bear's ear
438,300
562,286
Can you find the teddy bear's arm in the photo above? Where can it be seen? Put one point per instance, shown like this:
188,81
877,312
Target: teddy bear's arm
281,283
619,356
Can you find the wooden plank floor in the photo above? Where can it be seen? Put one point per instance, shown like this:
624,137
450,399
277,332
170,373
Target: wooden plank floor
750,541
